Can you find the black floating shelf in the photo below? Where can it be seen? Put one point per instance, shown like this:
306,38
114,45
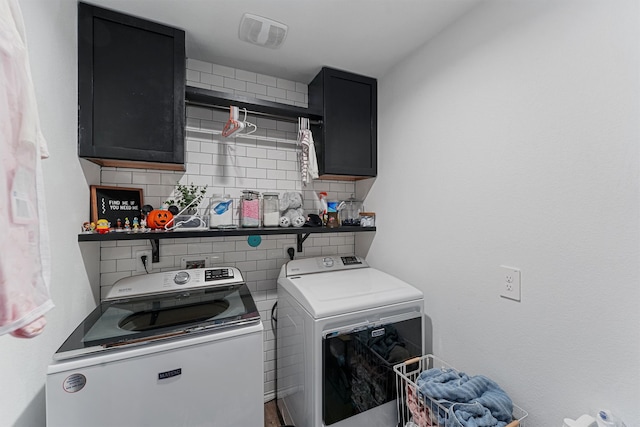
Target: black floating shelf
301,234
212,98
161,234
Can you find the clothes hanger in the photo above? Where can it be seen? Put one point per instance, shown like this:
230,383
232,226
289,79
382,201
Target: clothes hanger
232,124
248,125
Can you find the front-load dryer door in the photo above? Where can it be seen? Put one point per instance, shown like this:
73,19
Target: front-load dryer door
357,367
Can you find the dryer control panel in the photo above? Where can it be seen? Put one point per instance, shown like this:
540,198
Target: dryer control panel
323,264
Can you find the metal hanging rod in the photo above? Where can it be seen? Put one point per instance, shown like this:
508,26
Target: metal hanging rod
254,137
258,107
255,113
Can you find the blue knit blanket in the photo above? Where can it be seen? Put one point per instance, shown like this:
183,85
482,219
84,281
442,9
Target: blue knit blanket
473,401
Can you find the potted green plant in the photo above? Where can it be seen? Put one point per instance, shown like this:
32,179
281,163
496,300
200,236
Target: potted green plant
187,195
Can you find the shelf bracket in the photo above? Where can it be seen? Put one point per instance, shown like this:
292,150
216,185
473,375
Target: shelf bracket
155,250
300,239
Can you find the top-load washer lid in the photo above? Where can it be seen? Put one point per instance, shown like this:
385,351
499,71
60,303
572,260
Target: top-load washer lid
192,301
349,290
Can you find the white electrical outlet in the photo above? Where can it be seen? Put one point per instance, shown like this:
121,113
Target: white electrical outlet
510,283
138,260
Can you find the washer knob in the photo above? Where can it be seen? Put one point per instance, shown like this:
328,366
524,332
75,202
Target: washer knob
181,278
328,262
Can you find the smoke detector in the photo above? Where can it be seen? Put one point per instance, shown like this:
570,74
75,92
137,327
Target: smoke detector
262,31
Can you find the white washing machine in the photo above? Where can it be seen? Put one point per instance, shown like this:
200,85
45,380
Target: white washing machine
164,349
341,326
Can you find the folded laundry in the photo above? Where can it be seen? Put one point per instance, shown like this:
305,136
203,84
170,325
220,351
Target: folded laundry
469,401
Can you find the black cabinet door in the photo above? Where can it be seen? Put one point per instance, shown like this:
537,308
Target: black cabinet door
347,140
131,85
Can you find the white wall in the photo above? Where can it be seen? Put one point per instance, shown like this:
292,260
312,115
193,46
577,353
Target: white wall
517,133
51,35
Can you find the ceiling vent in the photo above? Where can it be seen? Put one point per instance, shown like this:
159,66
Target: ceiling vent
262,31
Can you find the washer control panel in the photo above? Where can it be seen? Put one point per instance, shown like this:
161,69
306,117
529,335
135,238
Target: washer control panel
174,280
322,264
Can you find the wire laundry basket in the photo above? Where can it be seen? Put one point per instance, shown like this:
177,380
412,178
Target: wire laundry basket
415,410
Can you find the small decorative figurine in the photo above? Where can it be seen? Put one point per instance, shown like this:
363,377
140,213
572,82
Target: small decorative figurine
127,224
118,223
86,227
102,226
136,224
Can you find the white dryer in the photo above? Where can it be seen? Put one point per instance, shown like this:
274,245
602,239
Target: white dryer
341,326
179,348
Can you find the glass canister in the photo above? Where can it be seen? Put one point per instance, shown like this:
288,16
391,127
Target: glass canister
220,211
250,209
270,209
350,211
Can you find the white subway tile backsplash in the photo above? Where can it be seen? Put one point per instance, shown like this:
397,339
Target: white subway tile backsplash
211,79
302,88
268,183
198,84
222,70
288,186
256,173
256,89
292,156
267,98
266,164
246,266
259,153
168,250
222,89
258,275
199,248
201,158
235,84
293,175
286,84
277,93
264,123
193,76
247,76
116,252
267,80
195,64
287,165
108,266
277,155
288,127
126,265
247,162
246,183
295,96
112,176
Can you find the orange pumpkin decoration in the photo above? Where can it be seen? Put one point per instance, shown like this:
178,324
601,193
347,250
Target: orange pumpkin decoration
158,218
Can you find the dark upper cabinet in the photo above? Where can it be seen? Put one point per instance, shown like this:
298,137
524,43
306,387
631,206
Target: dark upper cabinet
131,86
346,143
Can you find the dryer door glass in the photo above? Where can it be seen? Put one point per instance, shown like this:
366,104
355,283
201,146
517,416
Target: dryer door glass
357,365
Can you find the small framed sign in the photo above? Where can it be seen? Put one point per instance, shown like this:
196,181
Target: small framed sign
115,203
